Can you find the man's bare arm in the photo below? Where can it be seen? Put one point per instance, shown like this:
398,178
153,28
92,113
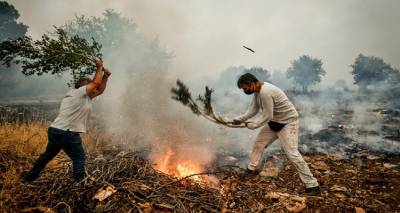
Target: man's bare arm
92,86
97,86
100,89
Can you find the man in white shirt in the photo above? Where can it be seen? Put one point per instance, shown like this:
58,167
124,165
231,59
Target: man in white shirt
73,119
279,121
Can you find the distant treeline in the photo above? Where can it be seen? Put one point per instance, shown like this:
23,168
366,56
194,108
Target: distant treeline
131,51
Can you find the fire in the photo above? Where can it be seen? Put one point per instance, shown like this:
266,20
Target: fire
162,164
188,168
169,162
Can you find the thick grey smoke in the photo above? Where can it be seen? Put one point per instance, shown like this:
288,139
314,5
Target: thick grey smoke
207,35
335,120
206,38
137,108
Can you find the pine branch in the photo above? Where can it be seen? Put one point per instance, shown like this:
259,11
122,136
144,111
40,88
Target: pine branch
52,54
182,94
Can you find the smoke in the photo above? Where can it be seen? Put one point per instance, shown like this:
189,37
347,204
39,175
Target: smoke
373,128
138,111
139,108
207,36
15,85
333,120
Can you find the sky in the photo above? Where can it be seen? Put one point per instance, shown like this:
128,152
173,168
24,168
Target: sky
207,35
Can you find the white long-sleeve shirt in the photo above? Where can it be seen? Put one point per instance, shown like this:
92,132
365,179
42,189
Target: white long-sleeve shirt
273,104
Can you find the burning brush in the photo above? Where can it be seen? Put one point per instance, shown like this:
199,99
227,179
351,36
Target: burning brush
182,167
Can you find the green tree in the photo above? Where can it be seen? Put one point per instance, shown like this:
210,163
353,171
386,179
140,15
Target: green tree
52,54
120,38
9,27
280,79
370,70
340,83
229,77
260,73
110,30
306,71
394,77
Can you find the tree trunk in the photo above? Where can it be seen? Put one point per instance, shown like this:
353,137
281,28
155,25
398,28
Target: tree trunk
304,89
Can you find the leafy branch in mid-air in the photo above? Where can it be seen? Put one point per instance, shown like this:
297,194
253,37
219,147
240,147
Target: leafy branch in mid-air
182,94
55,54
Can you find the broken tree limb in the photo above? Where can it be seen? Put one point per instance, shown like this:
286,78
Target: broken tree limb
55,53
182,94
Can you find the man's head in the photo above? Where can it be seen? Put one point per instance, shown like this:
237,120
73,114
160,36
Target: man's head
82,81
249,83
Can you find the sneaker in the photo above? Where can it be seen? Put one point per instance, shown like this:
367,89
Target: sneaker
80,179
28,177
313,191
248,174
85,178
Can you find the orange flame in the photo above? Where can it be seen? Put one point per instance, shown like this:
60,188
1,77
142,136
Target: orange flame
168,163
188,168
162,164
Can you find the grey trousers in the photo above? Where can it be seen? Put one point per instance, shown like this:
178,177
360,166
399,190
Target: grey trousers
289,137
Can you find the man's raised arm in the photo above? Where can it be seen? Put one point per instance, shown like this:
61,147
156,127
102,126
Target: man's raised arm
104,80
97,86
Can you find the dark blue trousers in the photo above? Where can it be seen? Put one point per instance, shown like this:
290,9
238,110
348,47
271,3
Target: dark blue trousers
59,140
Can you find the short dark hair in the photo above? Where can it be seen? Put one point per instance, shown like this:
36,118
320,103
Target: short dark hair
246,78
80,82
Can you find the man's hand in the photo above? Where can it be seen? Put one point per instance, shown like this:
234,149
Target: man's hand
237,122
107,73
99,63
251,125
93,88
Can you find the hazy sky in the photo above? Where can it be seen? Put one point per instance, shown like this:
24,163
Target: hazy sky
207,35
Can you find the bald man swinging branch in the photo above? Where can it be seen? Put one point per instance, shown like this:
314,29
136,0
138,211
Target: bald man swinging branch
73,119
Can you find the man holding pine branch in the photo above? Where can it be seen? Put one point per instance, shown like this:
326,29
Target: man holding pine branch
279,121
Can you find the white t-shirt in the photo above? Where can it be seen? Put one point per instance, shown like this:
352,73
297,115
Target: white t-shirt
74,111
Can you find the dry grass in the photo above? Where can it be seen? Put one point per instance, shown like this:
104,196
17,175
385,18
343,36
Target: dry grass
368,183
23,138
19,142
22,143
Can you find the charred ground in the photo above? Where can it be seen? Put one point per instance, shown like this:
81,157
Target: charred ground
353,176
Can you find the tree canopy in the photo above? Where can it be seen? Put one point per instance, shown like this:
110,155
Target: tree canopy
9,27
306,71
371,70
260,73
110,30
119,37
54,54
